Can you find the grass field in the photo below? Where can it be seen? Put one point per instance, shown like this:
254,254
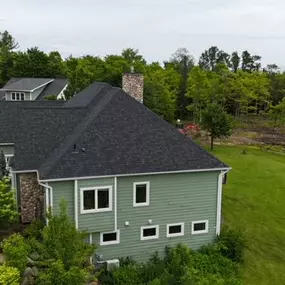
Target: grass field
254,202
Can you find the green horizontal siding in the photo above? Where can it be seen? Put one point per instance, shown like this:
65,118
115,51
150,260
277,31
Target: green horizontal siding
96,222
65,190
174,198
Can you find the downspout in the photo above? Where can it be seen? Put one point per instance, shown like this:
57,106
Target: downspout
115,205
76,203
48,192
219,201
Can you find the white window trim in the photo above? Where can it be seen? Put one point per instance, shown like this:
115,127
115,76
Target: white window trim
134,194
110,242
15,96
200,232
151,237
96,210
175,234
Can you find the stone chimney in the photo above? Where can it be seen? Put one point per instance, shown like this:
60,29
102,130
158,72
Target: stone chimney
133,84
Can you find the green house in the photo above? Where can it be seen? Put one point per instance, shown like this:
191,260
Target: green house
131,180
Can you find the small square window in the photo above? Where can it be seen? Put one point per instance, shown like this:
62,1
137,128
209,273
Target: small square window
13,96
141,194
110,238
22,96
18,96
199,227
174,230
149,232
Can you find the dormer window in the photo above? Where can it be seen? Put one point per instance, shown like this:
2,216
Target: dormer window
18,96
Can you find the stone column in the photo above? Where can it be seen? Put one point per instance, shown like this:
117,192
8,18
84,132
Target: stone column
31,197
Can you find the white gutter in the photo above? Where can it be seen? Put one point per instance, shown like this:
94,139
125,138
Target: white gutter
115,205
137,174
219,201
76,203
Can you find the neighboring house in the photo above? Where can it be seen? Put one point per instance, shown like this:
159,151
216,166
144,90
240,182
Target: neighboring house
131,180
29,89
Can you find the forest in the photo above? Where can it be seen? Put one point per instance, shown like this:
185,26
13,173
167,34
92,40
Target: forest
180,87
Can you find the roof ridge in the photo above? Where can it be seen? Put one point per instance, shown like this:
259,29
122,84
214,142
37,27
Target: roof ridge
77,131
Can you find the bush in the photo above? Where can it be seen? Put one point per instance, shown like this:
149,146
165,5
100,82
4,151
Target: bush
181,265
16,251
34,230
9,275
58,275
232,244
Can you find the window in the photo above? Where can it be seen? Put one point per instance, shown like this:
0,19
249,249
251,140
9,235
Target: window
200,227
110,238
175,230
141,194
96,199
16,96
149,232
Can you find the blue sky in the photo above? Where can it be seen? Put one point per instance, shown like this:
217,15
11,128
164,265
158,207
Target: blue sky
155,27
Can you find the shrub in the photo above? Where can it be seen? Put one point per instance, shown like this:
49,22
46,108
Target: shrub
62,241
35,229
9,275
232,244
58,275
16,251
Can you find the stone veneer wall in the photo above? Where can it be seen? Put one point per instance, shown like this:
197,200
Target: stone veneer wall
31,197
133,85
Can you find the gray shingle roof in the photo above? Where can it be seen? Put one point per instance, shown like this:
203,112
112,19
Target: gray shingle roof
25,84
112,132
53,88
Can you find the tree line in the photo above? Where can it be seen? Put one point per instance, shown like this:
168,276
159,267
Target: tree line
178,88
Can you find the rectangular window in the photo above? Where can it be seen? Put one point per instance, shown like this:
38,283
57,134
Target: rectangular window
110,238
149,232
199,227
175,230
96,199
16,96
141,194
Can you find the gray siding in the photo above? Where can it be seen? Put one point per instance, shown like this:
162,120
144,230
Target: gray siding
7,149
37,92
9,95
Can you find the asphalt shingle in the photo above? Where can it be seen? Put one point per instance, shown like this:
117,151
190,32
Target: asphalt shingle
101,131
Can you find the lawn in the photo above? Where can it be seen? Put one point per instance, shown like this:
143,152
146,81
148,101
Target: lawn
254,202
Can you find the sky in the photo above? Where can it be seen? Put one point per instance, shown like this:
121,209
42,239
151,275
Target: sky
155,27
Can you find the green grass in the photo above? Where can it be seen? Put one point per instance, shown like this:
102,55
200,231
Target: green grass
254,202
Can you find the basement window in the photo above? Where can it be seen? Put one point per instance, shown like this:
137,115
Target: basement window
175,230
149,232
110,238
199,227
96,199
141,194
